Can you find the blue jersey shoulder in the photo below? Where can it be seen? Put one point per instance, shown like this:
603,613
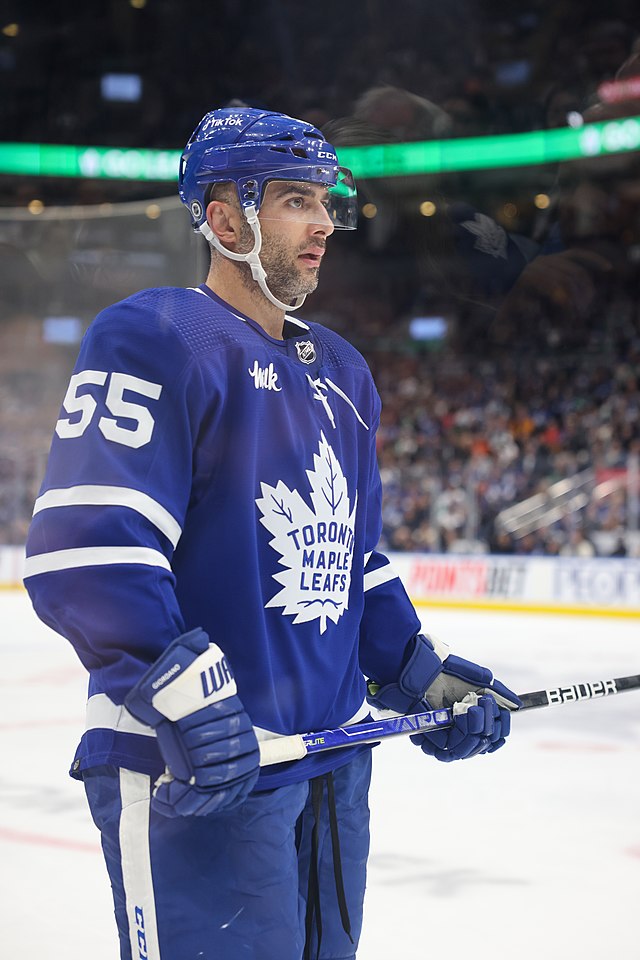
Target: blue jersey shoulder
338,352
183,313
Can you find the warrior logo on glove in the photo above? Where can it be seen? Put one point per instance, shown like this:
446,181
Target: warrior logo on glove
216,677
209,677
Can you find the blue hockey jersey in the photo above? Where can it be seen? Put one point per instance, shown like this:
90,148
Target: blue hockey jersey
203,474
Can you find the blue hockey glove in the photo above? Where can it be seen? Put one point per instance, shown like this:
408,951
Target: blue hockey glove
205,737
432,678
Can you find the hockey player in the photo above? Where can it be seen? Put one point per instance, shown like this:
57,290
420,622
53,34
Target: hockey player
206,537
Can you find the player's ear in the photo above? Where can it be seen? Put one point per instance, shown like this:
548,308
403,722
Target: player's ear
224,221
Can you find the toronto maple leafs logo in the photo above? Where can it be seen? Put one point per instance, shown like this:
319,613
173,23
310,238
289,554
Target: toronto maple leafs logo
490,237
315,542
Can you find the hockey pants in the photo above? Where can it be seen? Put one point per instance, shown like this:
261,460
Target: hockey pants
281,877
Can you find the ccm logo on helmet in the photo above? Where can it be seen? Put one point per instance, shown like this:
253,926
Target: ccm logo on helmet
326,155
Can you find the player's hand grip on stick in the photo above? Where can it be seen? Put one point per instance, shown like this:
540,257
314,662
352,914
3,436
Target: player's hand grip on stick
433,679
205,737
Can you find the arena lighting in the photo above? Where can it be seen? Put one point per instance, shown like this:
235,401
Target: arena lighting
427,208
381,160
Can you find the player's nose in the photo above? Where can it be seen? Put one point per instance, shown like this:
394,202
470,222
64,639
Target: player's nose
322,222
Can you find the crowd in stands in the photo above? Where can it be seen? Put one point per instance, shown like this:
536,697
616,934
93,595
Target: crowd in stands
535,376
33,378
462,440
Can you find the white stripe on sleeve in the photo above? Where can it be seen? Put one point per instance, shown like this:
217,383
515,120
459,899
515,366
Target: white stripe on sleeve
103,713
93,557
101,496
377,577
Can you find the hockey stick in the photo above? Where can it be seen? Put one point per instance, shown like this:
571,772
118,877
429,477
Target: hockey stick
283,749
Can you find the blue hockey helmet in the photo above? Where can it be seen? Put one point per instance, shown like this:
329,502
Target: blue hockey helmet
250,147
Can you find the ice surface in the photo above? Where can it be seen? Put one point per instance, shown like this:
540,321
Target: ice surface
534,850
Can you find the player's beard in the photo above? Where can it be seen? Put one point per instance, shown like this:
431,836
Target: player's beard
285,278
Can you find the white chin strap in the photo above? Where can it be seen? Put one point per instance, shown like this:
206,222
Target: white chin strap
252,258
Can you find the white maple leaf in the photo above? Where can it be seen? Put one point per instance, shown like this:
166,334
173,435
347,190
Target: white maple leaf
490,237
315,542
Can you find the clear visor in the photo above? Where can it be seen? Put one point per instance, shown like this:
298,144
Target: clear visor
306,201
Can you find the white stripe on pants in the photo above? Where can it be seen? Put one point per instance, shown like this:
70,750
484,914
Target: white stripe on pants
135,791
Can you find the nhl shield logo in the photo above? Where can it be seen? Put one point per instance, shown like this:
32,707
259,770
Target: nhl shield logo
306,351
